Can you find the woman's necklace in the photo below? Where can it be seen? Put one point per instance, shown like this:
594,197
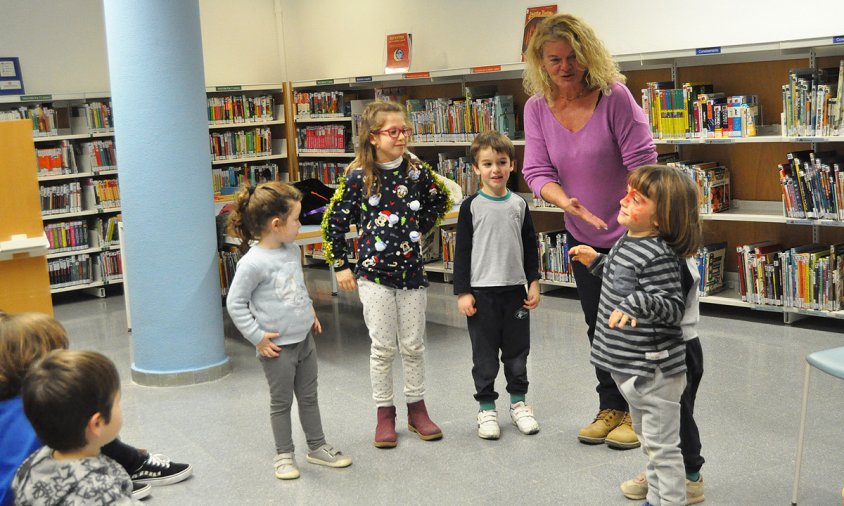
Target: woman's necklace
582,92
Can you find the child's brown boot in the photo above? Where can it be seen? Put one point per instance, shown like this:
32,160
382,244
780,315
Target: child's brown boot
419,422
385,432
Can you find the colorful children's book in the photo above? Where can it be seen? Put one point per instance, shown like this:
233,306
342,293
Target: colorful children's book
534,16
398,53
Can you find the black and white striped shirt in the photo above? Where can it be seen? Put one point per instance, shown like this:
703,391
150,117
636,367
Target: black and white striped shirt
641,278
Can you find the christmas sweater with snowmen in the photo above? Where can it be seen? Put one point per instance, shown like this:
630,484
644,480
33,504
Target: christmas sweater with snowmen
390,223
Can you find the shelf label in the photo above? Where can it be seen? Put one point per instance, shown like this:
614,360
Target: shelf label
719,140
227,88
363,79
486,68
838,39
708,50
416,75
323,82
806,139
35,98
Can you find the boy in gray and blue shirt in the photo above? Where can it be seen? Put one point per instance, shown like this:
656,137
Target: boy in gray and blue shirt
496,255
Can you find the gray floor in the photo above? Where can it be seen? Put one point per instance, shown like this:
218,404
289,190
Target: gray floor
748,410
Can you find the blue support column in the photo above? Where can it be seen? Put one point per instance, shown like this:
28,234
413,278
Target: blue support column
158,94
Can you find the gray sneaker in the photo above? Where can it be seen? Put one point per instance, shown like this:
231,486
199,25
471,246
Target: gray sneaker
285,467
327,455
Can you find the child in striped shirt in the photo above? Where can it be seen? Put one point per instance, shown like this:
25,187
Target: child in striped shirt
638,338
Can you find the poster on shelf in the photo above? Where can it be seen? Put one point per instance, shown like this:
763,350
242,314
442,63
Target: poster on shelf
11,80
534,16
399,46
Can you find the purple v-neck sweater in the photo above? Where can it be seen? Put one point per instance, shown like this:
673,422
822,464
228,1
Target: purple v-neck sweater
592,163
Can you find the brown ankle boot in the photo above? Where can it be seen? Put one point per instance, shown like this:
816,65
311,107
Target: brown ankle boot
385,432
419,422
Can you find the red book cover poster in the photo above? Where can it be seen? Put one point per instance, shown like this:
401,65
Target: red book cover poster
533,17
398,53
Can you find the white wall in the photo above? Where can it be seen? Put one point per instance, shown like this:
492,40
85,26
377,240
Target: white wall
337,38
62,45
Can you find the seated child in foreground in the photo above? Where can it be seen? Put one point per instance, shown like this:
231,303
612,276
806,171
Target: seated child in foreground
72,399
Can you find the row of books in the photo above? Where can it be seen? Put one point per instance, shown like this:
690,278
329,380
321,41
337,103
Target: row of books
228,180
813,185
70,271
62,198
98,115
228,264
554,260
67,235
322,139
74,235
109,232
459,170
696,110
94,156
232,145
56,161
319,104
448,242
101,155
232,109
110,265
713,181
711,264
538,202
460,120
106,192
326,172
802,277
43,119
812,102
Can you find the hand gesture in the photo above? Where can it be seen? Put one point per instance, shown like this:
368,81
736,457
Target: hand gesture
620,319
466,304
583,254
267,348
346,280
575,208
532,296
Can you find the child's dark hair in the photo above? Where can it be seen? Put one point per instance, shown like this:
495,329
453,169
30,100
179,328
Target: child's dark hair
372,119
255,205
495,140
62,391
677,199
25,338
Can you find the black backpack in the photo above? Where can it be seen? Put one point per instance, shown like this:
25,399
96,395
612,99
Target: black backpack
315,199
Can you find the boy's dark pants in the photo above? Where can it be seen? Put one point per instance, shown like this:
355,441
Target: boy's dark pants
495,326
689,434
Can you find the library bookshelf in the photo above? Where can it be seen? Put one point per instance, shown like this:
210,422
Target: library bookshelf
248,134
76,170
757,211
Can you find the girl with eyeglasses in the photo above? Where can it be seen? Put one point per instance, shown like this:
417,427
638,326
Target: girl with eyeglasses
394,200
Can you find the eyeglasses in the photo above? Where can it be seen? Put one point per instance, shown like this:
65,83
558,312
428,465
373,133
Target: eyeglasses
394,132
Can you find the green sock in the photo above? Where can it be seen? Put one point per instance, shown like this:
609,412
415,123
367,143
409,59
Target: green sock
693,476
516,398
487,406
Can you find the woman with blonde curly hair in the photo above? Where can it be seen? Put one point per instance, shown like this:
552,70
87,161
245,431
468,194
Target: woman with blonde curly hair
583,133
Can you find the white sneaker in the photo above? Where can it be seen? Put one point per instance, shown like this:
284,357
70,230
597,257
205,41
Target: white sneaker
522,416
285,467
488,424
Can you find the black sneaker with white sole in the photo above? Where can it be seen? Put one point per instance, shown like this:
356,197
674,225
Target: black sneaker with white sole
140,490
158,470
